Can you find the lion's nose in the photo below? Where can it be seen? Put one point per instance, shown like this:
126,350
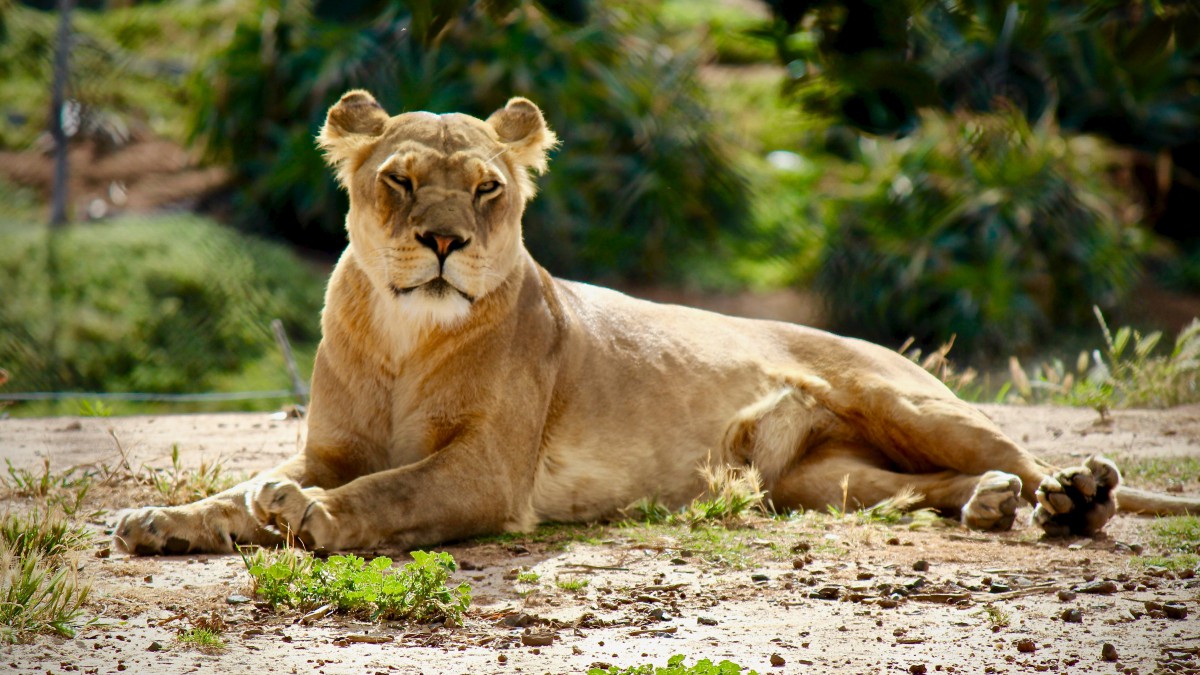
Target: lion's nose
441,243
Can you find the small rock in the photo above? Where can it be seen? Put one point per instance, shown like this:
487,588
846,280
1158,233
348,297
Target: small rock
155,647
502,659
921,566
998,587
863,576
519,620
1136,549
827,592
518,549
531,639
1108,652
1175,610
706,621
104,552
777,660
759,578
678,561
917,669
468,565
149,578
894,541
237,599
1026,645
1072,615
1066,596
1105,587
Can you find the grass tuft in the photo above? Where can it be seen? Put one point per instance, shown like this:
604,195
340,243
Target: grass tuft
41,534
204,639
38,594
1178,539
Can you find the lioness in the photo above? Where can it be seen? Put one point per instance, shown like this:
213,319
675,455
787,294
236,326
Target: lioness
459,389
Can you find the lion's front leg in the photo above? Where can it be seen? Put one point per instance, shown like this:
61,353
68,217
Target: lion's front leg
216,524
469,488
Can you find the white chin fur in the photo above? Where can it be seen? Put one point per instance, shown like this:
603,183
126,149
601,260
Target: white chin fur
408,318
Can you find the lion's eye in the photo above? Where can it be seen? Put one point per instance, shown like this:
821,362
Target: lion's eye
487,188
398,182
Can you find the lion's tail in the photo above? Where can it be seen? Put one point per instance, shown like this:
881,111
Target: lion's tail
1132,500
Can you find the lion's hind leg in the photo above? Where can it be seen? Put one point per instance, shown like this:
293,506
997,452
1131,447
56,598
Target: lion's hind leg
853,476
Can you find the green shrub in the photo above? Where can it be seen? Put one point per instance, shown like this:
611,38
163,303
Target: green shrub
157,305
416,592
675,666
641,178
977,226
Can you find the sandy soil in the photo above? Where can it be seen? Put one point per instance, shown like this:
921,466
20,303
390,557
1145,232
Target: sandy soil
812,593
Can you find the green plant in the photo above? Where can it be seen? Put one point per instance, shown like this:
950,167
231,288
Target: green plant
528,577
38,594
416,592
178,485
1129,372
675,666
95,409
645,181
979,226
996,617
732,491
572,584
28,483
202,638
1178,539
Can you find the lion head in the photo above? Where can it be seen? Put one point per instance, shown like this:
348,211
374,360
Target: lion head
435,200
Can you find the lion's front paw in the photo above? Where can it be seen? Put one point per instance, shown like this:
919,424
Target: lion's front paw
155,530
296,513
1079,499
993,505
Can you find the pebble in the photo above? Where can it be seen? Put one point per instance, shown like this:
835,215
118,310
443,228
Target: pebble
1108,652
155,647
237,599
1098,587
1026,645
530,639
706,621
1175,610
759,578
1066,596
917,669
921,566
777,660
1072,615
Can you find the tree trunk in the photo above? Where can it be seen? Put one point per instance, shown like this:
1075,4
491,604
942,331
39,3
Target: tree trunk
62,50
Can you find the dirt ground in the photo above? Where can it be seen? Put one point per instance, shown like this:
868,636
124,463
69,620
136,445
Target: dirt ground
808,594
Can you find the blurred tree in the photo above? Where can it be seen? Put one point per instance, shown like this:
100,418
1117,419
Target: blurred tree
642,179
1123,70
979,226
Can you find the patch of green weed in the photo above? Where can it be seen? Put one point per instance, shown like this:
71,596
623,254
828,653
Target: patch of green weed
1178,538
571,584
1182,469
416,592
1129,372
178,485
996,617
528,577
676,666
204,639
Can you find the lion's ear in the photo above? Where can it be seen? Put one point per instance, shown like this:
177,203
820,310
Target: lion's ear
521,127
354,121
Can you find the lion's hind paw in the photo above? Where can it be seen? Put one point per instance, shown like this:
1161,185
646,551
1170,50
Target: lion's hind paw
993,505
1078,499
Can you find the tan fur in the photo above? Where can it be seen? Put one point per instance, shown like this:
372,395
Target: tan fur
459,389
